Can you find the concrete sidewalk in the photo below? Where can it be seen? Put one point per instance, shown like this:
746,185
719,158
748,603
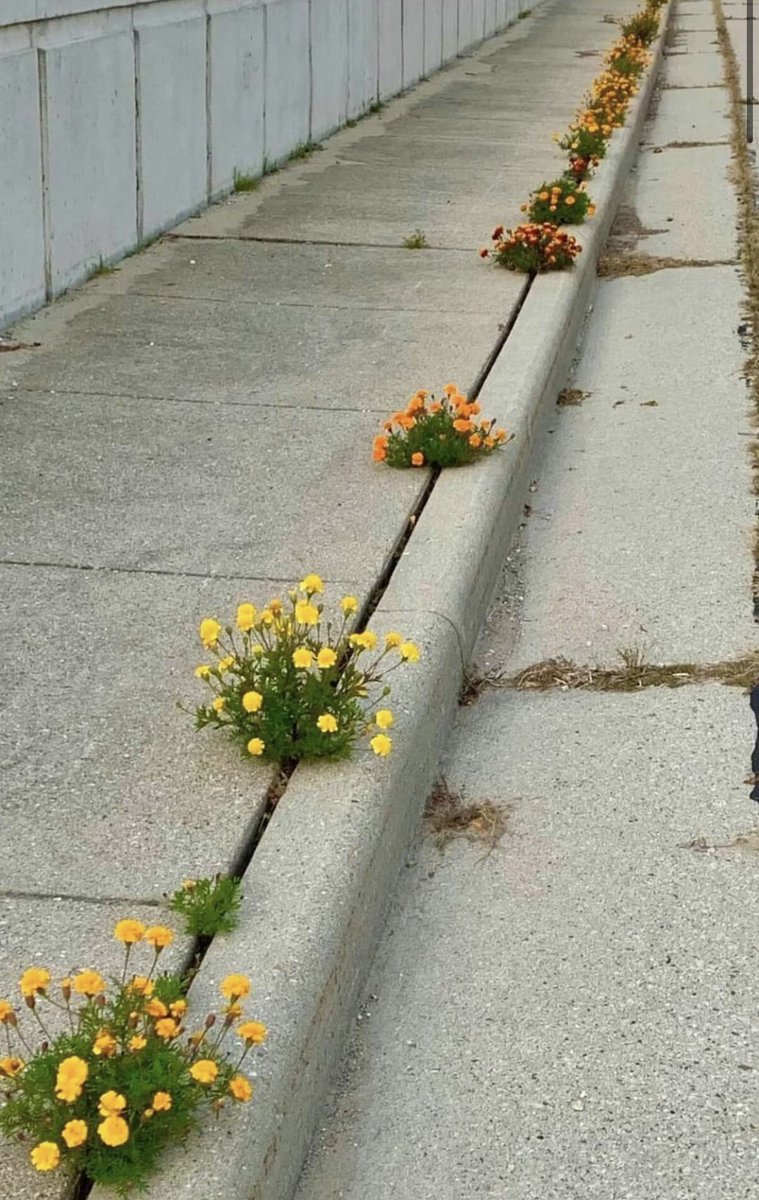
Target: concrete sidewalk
196,429
573,1014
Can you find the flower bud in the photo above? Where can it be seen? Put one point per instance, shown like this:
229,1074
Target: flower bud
66,989
210,1020
30,1002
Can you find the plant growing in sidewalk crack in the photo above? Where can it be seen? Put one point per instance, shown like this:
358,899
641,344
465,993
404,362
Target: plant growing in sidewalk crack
533,248
115,1080
585,138
209,906
289,684
642,26
416,240
437,433
563,202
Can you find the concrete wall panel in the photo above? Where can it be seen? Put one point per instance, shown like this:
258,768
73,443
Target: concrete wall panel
363,28
89,146
288,79
390,48
478,20
466,35
491,17
433,35
450,29
22,255
236,73
172,134
329,65
413,41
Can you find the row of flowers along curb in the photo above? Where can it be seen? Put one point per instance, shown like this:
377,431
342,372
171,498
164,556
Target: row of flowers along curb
317,888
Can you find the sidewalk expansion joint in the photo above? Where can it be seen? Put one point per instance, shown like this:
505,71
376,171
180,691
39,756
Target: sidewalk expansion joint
145,902
353,308
164,571
613,266
293,241
346,408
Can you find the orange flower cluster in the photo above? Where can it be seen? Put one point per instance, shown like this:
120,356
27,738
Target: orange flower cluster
563,202
533,247
430,432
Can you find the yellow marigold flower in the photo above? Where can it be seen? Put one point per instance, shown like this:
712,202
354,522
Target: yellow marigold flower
114,1131
349,604
45,1156
167,1028
159,936
161,1102
327,723
204,1070
410,652
11,1066
267,616
226,663
393,640
105,1044
111,1103
203,671
302,658
74,1133
252,701
156,1008
142,985
148,1113
129,931
178,1008
384,718
72,1074
218,703
311,584
138,1042
233,1011
235,987
381,744
256,747
209,632
257,649
240,1088
89,983
246,617
306,614
33,980
6,1012
252,1032
366,640
189,884
326,658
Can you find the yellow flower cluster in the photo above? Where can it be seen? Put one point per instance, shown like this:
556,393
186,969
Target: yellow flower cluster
288,682
113,1024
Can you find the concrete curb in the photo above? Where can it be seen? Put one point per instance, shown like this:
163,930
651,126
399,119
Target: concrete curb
318,885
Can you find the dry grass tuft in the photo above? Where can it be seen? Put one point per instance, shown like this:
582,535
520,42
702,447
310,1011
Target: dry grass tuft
448,817
632,675
748,843
612,266
571,397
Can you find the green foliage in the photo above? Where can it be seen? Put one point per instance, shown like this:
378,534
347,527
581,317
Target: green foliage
561,202
584,141
209,906
533,248
416,240
642,27
291,684
437,434
107,1096
246,183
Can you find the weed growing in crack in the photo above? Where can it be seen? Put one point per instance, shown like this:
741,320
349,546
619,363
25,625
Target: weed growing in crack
416,240
209,906
448,816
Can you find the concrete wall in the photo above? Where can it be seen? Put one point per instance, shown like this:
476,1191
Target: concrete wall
118,118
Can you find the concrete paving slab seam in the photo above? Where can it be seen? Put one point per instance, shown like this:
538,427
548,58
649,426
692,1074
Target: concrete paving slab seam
318,886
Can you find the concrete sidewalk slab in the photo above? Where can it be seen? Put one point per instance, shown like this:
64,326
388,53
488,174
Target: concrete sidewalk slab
674,580
690,71
107,788
691,115
571,1013
705,229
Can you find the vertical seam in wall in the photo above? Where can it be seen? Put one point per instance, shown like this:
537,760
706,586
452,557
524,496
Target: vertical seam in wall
44,172
264,72
403,45
138,185
310,71
209,138
349,114
377,55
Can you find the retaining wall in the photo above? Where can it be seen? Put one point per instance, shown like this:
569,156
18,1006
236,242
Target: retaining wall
118,119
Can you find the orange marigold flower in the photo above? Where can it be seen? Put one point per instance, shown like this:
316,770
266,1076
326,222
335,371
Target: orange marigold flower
417,459
462,426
